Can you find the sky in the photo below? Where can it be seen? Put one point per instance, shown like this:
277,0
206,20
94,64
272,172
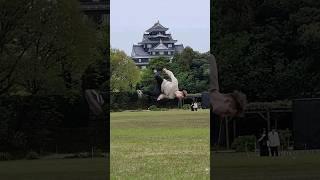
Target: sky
188,22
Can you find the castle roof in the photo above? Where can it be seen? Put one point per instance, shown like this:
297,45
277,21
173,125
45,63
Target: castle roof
157,27
161,46
138,51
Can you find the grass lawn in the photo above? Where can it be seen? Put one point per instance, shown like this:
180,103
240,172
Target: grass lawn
160,145
242,167
58,169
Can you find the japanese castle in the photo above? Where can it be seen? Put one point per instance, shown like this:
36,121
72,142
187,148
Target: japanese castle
155,42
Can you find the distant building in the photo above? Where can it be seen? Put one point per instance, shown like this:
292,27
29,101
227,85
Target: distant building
155,42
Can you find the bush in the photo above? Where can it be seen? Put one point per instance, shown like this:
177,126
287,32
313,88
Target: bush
98,153
32,155
285,138
82,155
186,106
153,108
5,156
244,143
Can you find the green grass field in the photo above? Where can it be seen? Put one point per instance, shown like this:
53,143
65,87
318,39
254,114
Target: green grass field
239,166
165,145
57,169
160,145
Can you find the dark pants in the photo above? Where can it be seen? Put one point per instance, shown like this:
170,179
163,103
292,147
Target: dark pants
274,151
157,88
264,151
159,81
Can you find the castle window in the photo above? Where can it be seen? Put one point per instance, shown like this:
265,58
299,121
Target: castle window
161,53
169,53
149,46
153,53
169,45
139,60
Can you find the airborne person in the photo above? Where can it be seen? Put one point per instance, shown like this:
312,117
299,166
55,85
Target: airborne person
165,89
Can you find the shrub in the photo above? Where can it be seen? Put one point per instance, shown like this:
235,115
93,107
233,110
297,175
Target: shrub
82,155
285,138
153,108
98,153
186,106
244,143
32,155
5,156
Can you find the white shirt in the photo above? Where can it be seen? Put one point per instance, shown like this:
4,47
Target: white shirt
195,105
169,88
274,139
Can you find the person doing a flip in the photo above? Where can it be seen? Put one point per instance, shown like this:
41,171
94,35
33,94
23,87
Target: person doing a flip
165,89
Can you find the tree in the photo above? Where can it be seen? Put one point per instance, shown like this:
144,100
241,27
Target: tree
124,73
268,49
46,46
191,68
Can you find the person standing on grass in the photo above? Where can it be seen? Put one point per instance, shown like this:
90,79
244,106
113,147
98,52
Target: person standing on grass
192,109
231,104
274,142
263,143
165,89
195,106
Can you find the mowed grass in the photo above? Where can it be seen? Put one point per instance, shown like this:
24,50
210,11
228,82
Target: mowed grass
160,145
239,166
57,169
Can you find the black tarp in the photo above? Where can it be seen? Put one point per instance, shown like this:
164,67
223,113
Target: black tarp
306,123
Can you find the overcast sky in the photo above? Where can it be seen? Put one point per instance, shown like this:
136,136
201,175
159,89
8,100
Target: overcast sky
188,21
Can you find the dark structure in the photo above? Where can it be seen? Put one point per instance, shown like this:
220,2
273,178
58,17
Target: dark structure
155,42
96,10
306,123
257,116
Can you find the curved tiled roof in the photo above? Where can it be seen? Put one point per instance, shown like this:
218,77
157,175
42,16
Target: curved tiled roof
157,27
161,46
138,51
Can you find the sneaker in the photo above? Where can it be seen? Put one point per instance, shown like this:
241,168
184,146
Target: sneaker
140,93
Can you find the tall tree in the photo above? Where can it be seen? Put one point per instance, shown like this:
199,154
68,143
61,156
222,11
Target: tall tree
124,73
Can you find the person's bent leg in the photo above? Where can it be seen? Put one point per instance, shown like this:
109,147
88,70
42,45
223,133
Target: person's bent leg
272,151
276,151
159,80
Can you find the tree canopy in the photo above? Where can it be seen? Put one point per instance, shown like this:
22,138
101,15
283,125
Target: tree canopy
267,49
124,73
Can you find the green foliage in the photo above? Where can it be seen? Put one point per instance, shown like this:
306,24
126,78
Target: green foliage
158,63
39,55
285,137
98,153
32,155
5,156
244,143
124,73
269,50
153,108
186,106
190,68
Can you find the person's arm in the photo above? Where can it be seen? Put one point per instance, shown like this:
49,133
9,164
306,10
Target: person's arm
261,138
93,103
162,96
170,74
214,83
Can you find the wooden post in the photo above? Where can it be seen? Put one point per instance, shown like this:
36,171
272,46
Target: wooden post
234,129
268,119
227,133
